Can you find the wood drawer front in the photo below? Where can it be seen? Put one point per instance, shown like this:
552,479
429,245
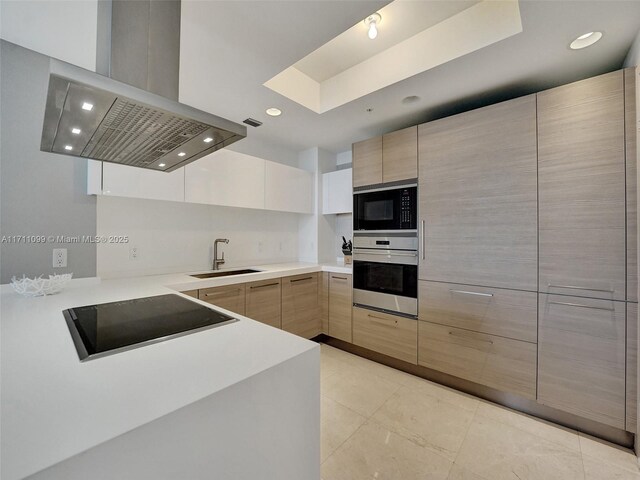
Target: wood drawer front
400,155
300,314
387,334
264,302
581,175
367,162
507,313
632,367
500,363
229,297
478,197
340,306
191,293
581,357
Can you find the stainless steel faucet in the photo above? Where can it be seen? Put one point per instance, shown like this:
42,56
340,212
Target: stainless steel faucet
218,261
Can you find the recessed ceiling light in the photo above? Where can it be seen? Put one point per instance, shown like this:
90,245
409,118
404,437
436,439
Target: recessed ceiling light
208,140
274,112
372,22
181,154
162,164
76,131
410,99
68,147
87,106
585,40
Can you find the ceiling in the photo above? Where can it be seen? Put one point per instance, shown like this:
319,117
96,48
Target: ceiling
230,48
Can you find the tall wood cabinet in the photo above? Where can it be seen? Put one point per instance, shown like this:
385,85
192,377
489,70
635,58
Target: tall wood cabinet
581,175
478,197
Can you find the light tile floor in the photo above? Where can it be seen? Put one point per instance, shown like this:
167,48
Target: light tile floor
382,424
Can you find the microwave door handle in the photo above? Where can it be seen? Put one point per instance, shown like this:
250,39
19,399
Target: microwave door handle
367,252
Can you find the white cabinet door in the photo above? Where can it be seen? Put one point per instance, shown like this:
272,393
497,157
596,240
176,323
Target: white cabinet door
124,181
337,192
288,189
226,178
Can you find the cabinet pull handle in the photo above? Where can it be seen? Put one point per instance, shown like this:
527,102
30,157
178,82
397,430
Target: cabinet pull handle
384,323
265,285
301,279
574,287
470,338
422,238
338,278
226,292
568,304
466,292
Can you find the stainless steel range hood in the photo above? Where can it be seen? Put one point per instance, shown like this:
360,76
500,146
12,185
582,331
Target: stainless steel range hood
97,117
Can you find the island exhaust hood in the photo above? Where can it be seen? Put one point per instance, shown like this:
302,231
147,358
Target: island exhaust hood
98,117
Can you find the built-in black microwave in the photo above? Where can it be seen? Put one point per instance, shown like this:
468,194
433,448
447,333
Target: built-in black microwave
385,209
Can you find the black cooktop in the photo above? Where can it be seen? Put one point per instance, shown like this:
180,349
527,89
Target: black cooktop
107,328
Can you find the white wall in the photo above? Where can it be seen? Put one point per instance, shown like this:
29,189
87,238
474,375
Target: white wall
62,29
178,237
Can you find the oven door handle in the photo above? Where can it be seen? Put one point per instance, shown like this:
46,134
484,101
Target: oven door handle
375,252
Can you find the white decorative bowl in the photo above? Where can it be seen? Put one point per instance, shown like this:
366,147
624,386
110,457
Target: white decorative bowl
36,287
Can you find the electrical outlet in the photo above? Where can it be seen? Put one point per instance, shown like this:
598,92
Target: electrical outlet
133,253
59,257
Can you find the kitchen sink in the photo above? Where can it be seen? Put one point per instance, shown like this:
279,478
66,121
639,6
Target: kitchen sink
224,274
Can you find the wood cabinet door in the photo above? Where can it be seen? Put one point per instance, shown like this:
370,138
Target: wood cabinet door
264,302
340,306
581,175
300,313
367,162
229,297
631,129
478,197
400,155
632,367
191,293
581,357
323,301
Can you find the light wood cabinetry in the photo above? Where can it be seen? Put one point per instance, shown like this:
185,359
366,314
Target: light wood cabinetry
501,363
191,293
632,367
507,313
300,313
581,171
340,306
631,155
367,162
263,301
581,357
478,197
400,155
387,334
229,297
323,301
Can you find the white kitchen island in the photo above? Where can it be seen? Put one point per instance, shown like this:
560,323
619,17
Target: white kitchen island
238,401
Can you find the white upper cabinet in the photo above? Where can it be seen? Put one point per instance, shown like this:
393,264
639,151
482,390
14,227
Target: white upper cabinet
125,181
288,189
226,178
337,192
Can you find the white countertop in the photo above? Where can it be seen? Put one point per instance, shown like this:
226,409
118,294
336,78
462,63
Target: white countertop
54,407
